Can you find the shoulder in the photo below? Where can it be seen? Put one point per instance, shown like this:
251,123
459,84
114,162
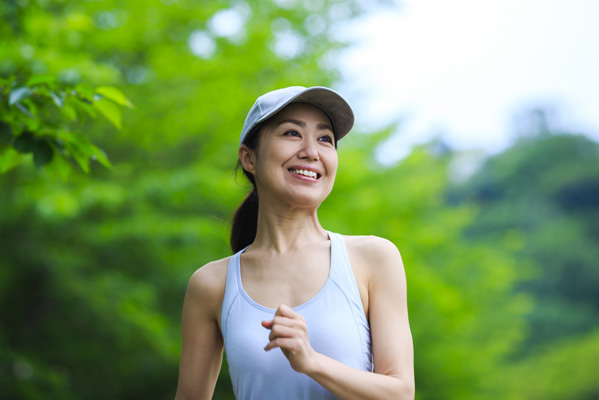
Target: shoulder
374,256
370,245
372,248
206,287
210,274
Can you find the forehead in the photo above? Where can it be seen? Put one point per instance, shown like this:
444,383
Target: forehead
303,112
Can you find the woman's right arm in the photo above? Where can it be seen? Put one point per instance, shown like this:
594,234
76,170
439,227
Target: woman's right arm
202,347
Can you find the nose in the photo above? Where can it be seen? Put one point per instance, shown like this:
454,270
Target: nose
309,151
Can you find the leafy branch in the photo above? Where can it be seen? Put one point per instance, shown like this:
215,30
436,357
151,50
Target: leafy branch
41,117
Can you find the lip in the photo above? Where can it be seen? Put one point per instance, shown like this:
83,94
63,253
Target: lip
305,168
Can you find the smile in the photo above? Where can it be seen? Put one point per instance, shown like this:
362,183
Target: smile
309,174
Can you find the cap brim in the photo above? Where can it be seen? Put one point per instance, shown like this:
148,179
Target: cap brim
329,101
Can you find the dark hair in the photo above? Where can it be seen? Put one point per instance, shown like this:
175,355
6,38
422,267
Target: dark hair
245,219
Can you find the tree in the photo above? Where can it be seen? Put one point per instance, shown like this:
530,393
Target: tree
541,197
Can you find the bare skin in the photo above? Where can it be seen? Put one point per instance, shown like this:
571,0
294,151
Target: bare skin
279,272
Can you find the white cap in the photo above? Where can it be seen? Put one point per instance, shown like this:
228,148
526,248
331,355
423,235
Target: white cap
329,101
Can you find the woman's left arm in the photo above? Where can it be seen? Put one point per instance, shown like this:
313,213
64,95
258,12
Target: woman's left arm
393,376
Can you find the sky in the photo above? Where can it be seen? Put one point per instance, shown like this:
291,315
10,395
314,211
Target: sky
463,70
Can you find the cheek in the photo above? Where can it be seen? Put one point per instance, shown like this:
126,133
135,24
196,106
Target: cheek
267,163
332,163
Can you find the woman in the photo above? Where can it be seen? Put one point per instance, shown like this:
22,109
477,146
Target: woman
302,313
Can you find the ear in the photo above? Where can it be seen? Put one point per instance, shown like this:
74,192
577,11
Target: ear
247,158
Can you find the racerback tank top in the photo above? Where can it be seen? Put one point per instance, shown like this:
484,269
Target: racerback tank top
337,328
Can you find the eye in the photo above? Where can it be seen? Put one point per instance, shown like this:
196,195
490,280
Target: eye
327,138
291,132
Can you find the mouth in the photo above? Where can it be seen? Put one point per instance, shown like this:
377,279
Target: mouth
304,172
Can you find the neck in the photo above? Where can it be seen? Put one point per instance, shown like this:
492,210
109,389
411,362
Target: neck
280,231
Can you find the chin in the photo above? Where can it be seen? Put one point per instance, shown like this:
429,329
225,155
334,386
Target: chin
306,201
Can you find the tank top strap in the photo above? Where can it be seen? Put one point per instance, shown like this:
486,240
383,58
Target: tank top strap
232,289
343,276
341,270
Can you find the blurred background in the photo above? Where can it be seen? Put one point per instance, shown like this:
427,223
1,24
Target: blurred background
475,151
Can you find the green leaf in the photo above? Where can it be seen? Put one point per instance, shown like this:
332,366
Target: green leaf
25,142
57,99
83,150
79,156
69,112
37,79
115,95
19,94
5,133
82,160
100,156
110,110
42,153
10,159
83,105
79,147
25,110
85,90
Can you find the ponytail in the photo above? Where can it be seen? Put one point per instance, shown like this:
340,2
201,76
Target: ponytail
245,219
245,222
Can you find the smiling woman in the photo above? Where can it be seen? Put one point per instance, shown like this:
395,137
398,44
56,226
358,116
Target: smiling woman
302,313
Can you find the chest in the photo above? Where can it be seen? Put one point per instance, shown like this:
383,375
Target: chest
335,329
291,279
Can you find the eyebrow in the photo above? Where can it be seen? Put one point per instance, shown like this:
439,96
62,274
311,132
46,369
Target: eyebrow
302,124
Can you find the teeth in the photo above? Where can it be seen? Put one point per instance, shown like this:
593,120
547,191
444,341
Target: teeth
310,174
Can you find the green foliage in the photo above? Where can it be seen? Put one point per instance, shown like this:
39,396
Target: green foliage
42,118
564,369
542,197
544,191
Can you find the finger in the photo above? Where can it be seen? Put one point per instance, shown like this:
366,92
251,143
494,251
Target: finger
282,321
285,321
267,324
284,331
285,344
281,310
298,325
285,311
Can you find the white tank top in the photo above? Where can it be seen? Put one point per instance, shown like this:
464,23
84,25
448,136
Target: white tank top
337,328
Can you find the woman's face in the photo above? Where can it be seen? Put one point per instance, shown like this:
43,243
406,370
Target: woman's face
295,161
